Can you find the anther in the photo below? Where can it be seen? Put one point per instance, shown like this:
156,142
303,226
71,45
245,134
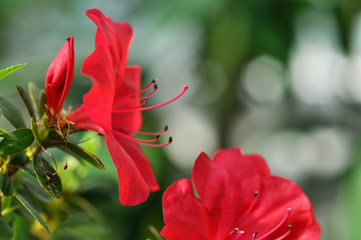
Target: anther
255,193
235,230
254,235
278,226
66,166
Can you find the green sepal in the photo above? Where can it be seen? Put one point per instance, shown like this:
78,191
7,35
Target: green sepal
34,129
6,233
47,177
25,202
24,138
11,113
6,186
7,71
26,100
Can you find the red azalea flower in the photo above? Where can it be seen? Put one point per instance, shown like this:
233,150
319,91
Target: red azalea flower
59,77
238,199
113,108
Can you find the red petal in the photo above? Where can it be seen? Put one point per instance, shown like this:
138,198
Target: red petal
184,215
132,188
127,122
81,120
141,161
116,35
59,76
276,196
99,100
226,185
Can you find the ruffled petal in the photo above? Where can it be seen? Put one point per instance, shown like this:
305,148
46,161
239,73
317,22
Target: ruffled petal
184,215
133,189
141,161
59,76
98,101
227,185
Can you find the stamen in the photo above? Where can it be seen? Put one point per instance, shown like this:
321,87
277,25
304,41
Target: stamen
286,234
152,107
252,204
254,235
155,133
65,143
235,234
132,109
143,90
277,226
143,97
132,138
56,166
157,145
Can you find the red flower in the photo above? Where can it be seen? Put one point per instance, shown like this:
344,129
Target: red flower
59,77
113,108
238,199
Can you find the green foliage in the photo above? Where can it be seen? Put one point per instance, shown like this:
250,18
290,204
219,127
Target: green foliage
5,72
32,210
11,113
6,233
23,138
47,177
5,134
26,100
6,186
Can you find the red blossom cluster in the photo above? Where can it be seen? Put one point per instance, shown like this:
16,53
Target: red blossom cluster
234,196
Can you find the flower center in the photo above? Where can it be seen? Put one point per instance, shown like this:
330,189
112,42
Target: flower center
238,234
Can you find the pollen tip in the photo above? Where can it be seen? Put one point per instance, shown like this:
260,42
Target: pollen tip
289,209
65,167
157,136
154,80
155,86
289,227
166,128
185,87
170,139
255,194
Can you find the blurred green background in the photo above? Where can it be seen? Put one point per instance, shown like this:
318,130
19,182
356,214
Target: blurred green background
280,78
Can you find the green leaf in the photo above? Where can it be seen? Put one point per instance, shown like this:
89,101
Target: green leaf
5,185
26,100
5,134
24,138
35,190
6,233
7,71
33,211
11,113
42,103
81,154
47,177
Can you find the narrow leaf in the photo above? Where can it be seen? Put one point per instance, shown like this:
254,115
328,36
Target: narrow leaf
26,100
5,185
33,211
24,138
47,177
6,233
34,94
7,71
11,113
42,103
81,154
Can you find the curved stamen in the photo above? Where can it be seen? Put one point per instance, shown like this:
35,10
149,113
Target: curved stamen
155,133
286,234
277,226
252,204
132,109
152,107
141,91
65,143
135,139
141,98
158,145
235,234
